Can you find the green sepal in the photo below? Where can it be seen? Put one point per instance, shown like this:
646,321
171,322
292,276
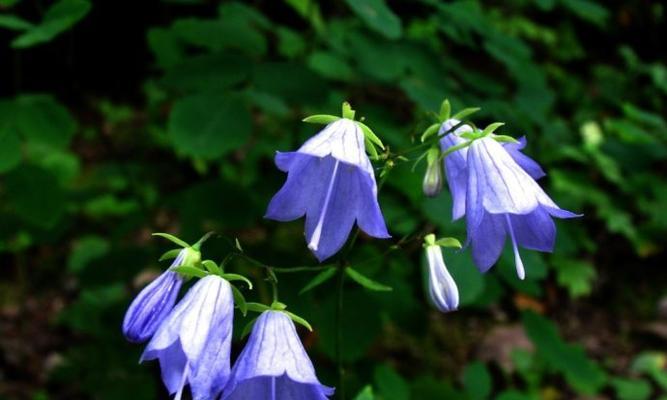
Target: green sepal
347,111
278,306
168,255
298,320
324,119
188,271
430,131
212,267
465,112
455,148
432,155
366,282
257,307
448,242
492,127
238,245
318,279
504,139
471,135
248,327
445,111
371,149
197,246
237,277
429,240
239,300
171,238
418,160
368,133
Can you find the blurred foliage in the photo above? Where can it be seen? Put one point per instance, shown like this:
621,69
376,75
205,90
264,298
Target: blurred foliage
84,179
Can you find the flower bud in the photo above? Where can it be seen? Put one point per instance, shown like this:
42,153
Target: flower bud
432,184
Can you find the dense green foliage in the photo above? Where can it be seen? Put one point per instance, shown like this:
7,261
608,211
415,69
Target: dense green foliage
86,177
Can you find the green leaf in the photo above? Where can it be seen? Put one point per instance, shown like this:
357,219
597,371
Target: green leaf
10,148
477,381
298,320
330,65
576,276
169,254
209,126
390,385
319,279
368,133
377,16
365,281
583,374
86,250
41,119
14,23
237,277
190,271
449,242
631,389
171,238
366,393
58,18
35,195
239,300
323,119
588,10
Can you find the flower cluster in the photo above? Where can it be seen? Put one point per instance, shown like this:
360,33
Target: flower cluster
192,340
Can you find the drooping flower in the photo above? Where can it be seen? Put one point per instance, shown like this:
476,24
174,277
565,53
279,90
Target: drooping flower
274,365
432,184
193,343
503,199
442,289
153,303
330,180
456,163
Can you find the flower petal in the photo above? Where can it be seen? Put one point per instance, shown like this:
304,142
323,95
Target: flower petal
488,240
535,231
442,288
528,164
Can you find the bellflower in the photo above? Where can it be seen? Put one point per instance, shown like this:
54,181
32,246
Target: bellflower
442,288
503,199
193,343
330,180
274,365
153,303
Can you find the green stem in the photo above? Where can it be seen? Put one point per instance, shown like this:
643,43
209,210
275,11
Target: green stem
340,390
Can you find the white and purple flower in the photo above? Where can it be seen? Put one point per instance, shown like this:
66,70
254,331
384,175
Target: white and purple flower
442,289
331,181
274,365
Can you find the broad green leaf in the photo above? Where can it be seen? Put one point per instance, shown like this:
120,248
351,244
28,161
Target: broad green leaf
365,394
390,385
576,276
41,119
582,373
330,65
58,18
206,73
631,389
10,148
477,381
35,195
588,10
365,281
209,126
319,279
378,16
86,250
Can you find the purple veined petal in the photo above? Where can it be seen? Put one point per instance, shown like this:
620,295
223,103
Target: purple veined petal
151,306
442,288
487,240
369,217
535,231
274,364
456,172
195,339
502,185
528,164
560,213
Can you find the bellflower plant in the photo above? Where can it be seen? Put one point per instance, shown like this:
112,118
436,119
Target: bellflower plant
274,365
193,343
503,199
155,301
442,289
331,181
